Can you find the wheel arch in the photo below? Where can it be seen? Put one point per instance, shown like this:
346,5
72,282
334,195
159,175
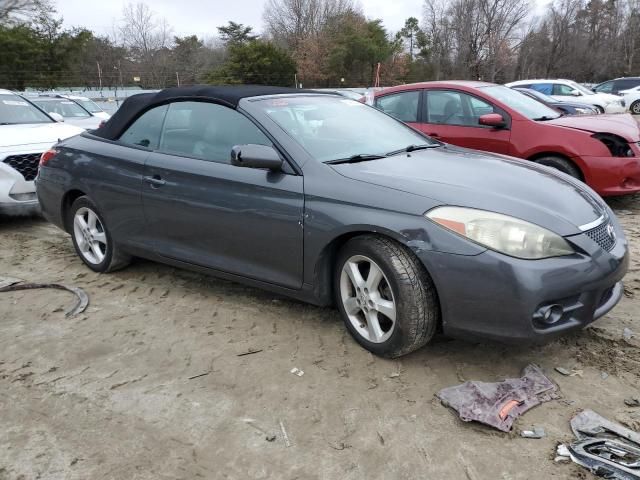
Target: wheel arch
537,156
67,200
325,263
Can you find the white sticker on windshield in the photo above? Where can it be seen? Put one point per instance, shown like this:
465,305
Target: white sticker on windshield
15,103
67,102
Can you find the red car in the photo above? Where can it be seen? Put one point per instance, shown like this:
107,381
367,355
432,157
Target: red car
602,150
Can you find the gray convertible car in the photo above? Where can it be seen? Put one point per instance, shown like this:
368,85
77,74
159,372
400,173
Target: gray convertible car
327,200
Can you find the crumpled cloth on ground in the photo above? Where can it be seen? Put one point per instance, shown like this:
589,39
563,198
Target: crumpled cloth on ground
499,404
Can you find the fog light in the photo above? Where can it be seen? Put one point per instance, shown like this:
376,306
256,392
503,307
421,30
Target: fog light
552,314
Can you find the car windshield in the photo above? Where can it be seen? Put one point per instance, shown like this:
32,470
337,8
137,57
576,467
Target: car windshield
16,110
331,128
584,90
90,106
522,104
66,108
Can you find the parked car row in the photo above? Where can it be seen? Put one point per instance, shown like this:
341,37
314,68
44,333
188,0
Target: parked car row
601,150
29,125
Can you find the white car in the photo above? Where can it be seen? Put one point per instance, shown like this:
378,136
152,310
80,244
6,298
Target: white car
25,132
570,91
89,105
631,99
69,110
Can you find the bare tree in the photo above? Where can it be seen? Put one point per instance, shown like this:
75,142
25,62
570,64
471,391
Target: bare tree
11,10
149,39
289,22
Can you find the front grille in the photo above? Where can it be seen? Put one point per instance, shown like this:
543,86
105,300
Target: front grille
26,164
603,235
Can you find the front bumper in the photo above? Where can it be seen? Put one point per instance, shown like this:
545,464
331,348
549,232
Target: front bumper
493,296
611,176
17,196
615,108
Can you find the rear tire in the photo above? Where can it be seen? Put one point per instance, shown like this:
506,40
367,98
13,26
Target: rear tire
599,108
392,308
635,108
562,164
92,239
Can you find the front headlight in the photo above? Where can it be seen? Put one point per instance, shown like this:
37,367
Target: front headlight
501,233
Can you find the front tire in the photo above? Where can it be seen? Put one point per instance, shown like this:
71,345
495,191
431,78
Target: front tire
635,108
387,300
562,164
599,108
92,239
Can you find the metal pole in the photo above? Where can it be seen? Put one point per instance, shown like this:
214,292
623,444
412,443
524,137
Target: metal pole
99,75
178,78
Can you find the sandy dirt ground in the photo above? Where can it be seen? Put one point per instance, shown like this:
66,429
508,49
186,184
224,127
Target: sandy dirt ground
148,382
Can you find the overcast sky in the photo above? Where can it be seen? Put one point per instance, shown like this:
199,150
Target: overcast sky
201,17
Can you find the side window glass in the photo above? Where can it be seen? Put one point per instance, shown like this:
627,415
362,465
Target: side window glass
479,108
207,131
403,106
145,131
455,108
626,84
606,87
560,89
444,108
545,88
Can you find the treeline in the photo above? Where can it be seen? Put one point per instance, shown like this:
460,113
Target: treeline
321,43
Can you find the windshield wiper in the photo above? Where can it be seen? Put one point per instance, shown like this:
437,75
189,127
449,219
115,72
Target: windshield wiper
544,118
413,148
361,157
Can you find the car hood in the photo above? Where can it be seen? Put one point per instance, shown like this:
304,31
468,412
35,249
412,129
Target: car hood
27,134
90,123
622,125
461,177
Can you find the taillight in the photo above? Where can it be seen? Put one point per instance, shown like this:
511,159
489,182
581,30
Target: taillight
48,155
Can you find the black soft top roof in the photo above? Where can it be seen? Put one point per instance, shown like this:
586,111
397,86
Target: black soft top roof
229,95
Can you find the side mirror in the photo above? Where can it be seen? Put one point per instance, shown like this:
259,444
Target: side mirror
255,156
576,93
56,116
492,120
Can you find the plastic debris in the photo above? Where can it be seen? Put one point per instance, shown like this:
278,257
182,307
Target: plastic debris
604,375
569,373
627,334
562,454
499,404
605,448
8,284
297,371
537,432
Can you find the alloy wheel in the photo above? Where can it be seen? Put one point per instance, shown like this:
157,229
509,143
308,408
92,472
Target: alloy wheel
90,235
367,299
635,108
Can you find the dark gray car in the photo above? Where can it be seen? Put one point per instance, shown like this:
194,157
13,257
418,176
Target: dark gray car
327,200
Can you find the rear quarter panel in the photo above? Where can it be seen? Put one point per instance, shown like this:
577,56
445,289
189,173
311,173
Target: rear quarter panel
108,173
